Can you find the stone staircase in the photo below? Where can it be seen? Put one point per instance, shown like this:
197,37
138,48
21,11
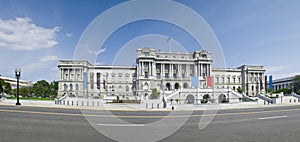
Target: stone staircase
264,98
295,95
172,95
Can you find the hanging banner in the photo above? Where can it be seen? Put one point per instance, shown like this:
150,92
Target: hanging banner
98,81
209,81
92,80
270,82
84,80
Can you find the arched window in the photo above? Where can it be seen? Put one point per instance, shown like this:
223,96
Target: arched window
146,86
120,76
71,87
127,88
176,86
112,88
65,87
168,86
112,76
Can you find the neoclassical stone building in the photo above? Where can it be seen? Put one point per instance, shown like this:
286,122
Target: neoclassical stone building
188,77
171,70
250,79
84,80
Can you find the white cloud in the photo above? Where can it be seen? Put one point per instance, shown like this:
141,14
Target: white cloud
69,34
43,68
40,64
22,34
285,75
49,58
276,69
97,52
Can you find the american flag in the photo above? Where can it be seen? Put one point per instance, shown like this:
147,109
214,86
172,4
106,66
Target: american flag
168,39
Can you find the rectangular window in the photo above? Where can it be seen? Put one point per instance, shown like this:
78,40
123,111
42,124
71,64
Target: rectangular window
120,77
146,75
191,70
158,75
112,77
66,76
127,77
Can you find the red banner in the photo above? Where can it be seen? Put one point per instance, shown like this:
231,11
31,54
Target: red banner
210,81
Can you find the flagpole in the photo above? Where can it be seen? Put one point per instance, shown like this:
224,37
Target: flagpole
168,40
169,44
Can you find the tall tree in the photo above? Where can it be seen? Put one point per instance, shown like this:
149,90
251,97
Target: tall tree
296,84
41,88
5,86
54,88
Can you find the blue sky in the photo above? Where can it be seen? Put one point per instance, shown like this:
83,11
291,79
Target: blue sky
35,34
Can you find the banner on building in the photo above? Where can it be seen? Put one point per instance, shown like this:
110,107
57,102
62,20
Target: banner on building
92,80
104,81
195,81
266,82
270,82
98,81
84,80
210,81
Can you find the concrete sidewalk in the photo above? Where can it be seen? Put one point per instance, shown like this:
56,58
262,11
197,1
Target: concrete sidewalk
141,107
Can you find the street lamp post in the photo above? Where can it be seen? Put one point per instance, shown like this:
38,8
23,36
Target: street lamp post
18,75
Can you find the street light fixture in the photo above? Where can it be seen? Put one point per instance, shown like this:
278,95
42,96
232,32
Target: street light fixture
18,75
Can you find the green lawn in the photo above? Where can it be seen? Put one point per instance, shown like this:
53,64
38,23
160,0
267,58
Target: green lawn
31,98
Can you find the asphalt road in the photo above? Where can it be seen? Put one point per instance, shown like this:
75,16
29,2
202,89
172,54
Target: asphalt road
30,124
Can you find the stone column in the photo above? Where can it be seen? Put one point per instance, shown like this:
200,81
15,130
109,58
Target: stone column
61,74
162,70
207,65
179,73
151,68
171,71
188,70
68,77
142,69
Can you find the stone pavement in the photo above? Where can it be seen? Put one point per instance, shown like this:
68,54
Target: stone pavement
141,107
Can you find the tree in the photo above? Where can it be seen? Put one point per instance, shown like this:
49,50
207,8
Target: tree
41,88
240,90
26,91
296,84
284,90
54,88
154,94
5,86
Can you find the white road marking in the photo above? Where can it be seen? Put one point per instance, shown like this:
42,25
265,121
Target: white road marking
122,125
273,117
